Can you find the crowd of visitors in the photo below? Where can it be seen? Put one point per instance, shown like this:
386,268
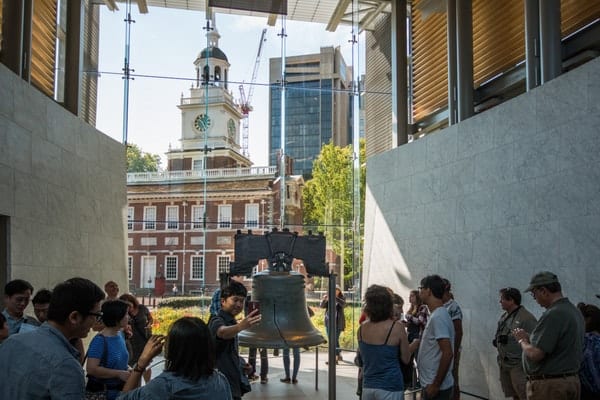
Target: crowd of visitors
555,357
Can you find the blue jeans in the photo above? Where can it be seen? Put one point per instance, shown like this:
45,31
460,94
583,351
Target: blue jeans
286,362
337,340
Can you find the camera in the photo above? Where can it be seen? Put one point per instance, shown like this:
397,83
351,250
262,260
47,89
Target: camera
500,339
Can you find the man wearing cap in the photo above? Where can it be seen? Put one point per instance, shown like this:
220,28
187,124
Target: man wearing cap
512,376
553,352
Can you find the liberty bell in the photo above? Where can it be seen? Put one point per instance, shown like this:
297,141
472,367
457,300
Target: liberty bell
279,291
284,317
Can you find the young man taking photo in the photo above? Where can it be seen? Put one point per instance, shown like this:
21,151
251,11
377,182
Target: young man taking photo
225,329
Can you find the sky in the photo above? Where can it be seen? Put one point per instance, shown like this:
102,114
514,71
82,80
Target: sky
164,44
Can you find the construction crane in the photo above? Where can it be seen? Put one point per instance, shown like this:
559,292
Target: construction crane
246,105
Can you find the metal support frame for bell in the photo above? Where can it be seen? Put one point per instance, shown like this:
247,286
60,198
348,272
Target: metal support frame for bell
279,290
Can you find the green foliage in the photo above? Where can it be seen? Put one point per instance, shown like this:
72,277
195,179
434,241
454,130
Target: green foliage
165,315
348,336
138,161
184,302
328,200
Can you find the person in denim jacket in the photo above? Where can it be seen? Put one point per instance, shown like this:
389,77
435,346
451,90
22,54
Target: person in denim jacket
189,367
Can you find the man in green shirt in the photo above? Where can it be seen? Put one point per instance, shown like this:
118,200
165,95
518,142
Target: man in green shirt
512,376
552,354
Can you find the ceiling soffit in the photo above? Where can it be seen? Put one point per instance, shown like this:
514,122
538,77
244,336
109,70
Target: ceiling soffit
328,12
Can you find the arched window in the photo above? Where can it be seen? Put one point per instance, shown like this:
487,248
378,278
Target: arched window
205,74
226,80
217,75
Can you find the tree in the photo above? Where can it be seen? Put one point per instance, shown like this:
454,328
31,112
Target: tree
138,161
328,200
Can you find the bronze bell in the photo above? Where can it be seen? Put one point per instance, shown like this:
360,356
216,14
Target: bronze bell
284,317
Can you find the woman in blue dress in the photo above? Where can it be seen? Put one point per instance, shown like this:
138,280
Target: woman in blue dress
382,342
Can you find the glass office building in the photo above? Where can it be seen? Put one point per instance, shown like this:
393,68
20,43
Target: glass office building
317,107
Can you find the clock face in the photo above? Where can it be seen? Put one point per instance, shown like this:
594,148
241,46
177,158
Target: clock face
202,122
231,128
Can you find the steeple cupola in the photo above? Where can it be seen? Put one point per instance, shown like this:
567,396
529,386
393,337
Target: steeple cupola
212,65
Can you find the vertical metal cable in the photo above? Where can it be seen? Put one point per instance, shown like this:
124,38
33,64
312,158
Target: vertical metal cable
208,28
282,165
356,93
126,71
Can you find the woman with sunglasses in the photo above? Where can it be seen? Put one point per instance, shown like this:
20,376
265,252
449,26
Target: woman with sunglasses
107,355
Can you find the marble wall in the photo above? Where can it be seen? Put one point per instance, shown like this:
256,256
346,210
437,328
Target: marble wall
489,202
62,187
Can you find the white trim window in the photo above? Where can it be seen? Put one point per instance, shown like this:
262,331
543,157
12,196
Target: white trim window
252,215
197,217
198,164
130,267
223,264
197,268
172,217
171,267
130,215
224,216
150,218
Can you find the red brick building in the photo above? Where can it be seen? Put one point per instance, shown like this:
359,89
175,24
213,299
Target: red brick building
182,221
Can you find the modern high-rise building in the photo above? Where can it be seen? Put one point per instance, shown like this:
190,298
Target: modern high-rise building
317,106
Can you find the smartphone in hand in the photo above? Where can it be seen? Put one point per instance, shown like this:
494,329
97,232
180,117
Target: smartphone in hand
253,305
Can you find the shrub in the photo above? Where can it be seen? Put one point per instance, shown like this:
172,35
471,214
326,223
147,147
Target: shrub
165,316
184,302
348,336
174,308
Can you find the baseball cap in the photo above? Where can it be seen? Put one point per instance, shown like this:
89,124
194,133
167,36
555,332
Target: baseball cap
541,279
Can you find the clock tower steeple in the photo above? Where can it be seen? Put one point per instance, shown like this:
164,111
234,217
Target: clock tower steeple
209,116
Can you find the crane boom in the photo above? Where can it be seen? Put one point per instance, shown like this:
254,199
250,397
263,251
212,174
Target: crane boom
263,38
245,100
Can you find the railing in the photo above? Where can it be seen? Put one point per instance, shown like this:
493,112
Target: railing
144,177
198,96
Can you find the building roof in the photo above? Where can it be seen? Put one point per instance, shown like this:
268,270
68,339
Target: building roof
213,52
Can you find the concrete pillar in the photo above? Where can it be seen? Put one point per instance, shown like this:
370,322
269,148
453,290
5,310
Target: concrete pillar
16,36
74,56
550,35
451,46
464,58
532,41
399,73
